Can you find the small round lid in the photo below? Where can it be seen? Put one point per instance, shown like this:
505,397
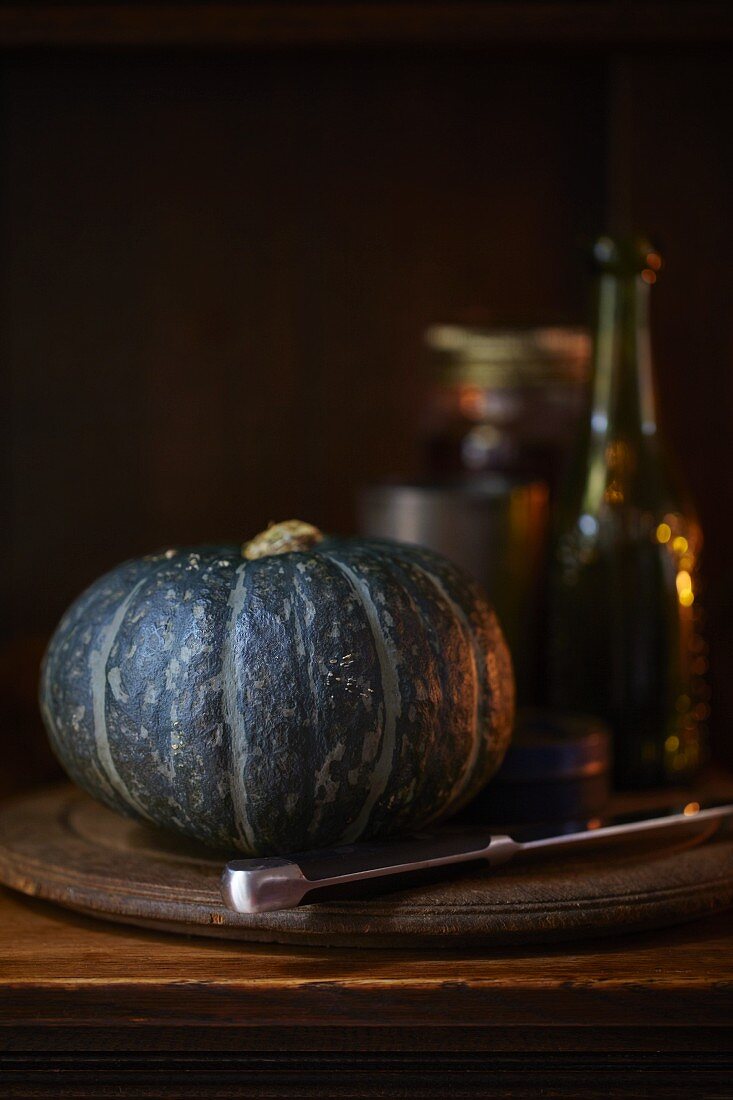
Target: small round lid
549,746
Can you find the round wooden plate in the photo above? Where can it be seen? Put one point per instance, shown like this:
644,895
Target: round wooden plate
62,846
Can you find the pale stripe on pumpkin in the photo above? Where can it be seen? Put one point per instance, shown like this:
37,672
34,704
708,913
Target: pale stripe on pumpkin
467,772
98,659
305,653
388,660
232,711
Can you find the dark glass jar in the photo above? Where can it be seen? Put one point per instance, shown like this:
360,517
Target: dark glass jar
504,401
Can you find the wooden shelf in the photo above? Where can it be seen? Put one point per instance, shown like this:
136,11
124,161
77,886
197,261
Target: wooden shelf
84,1004
602,23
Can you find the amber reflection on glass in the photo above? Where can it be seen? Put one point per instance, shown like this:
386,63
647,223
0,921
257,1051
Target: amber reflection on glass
472,401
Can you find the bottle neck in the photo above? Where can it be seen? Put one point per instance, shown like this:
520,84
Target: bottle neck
622,428
623,390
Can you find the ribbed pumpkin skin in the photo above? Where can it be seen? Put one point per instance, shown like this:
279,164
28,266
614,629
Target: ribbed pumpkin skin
356,689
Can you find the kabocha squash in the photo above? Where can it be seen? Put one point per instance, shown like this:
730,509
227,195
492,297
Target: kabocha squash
298,692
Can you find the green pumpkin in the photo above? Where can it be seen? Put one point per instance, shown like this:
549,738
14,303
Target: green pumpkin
300,692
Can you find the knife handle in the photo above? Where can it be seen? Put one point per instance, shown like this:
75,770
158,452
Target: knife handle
270,884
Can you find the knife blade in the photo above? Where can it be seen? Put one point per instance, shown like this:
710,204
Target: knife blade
274,883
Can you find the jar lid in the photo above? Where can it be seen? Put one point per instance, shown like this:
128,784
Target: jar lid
548,746
482,489
496,357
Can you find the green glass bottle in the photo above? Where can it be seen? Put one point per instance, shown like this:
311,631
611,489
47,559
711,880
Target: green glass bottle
624,639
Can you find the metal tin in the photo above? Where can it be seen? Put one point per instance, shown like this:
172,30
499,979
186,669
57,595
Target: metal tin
494,527
558,767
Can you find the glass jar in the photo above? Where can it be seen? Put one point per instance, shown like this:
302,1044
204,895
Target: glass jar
504,401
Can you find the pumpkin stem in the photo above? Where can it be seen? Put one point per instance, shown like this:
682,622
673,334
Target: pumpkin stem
282,538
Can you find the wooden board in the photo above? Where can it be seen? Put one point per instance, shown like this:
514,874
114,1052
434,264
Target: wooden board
363,24
62,846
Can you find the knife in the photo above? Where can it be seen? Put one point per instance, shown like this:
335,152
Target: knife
273,883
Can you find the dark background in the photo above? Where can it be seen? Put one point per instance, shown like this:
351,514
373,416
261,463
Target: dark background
224,229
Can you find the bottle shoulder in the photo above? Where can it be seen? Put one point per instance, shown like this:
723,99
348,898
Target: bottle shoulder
611,478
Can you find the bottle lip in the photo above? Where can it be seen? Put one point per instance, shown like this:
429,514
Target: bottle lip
627,256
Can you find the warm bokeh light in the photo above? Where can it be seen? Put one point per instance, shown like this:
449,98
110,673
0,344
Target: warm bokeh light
648,276
664,532
472,402
680,544
684,588
691,809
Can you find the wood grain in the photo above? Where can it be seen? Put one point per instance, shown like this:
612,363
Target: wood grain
113,972
218,265
220,24
218,274
91,1009
63,846
62,969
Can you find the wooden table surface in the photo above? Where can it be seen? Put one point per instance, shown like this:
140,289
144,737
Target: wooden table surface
94,1009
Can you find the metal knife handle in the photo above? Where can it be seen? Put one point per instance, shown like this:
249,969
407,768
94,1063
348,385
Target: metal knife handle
266,885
